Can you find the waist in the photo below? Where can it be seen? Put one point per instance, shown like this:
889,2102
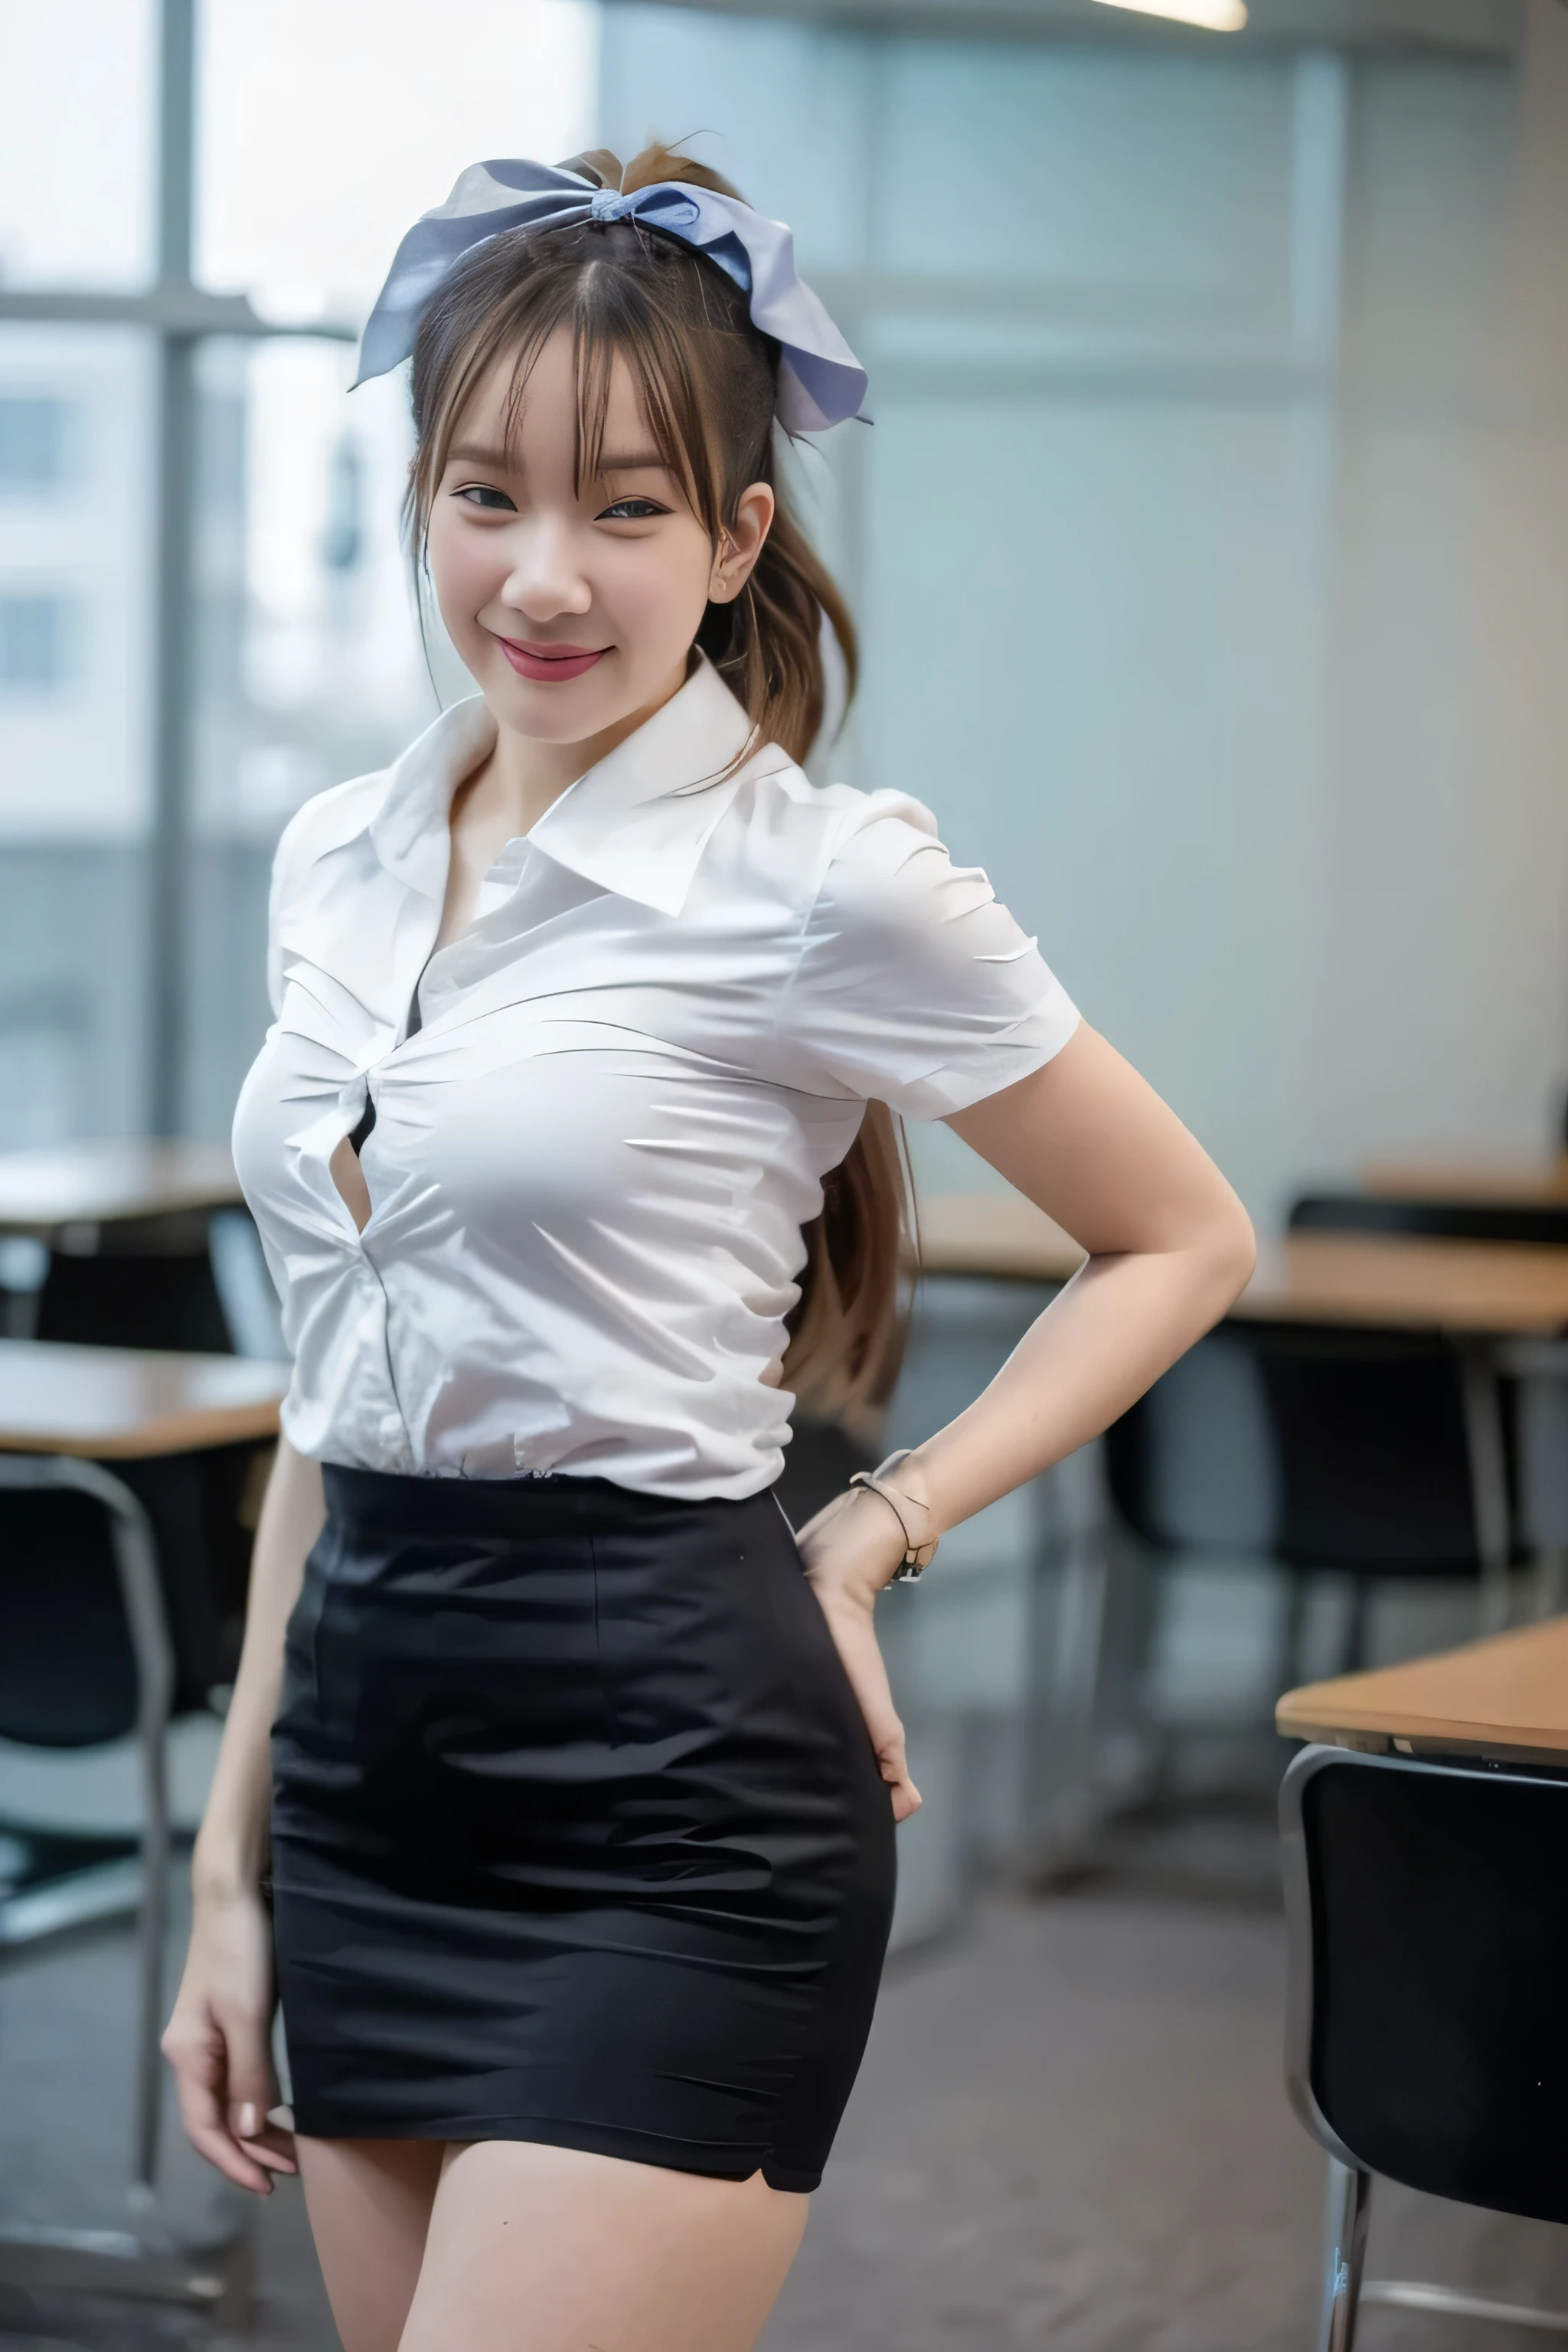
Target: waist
522,1508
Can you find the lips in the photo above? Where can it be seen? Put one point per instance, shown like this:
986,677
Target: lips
549,664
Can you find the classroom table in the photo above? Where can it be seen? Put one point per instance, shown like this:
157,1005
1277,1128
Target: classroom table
1477,1289
110,1180
1504,1699
109,1242
66,1414
107,1404
1521,1183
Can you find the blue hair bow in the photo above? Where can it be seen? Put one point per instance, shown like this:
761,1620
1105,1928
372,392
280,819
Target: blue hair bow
820,380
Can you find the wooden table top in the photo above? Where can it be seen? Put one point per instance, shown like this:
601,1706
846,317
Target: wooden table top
114,1178
1507,1696
1479,1184
1378,1281
119,1404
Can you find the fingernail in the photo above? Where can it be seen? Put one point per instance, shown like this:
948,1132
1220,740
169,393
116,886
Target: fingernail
249,2121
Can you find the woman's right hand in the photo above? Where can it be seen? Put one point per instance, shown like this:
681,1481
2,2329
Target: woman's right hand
218,2042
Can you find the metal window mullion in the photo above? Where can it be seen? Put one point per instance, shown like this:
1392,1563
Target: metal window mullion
172,667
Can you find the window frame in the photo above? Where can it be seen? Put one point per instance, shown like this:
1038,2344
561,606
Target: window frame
176,314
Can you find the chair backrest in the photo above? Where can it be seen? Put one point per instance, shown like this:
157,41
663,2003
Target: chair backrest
1374,1454
1427,2030
1326,1448
1455,1220
1193,1465
68,1673
128,1294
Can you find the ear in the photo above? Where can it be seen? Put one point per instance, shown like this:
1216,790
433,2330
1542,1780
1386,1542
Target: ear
739,546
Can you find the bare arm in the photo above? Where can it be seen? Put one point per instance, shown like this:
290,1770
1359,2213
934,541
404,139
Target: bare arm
1169,1248
218,2041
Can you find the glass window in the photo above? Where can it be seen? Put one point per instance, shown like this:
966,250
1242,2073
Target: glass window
33,436
77,123
75,577
76,654
324,128
37,637
309,662
308,178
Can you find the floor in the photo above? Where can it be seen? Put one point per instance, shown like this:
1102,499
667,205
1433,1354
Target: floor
1069,2132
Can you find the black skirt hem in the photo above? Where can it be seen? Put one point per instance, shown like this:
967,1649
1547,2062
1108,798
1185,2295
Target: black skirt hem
588,2139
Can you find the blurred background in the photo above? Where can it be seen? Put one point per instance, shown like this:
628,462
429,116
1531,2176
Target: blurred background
1209,551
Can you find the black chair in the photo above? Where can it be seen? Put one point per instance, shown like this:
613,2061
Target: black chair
85,1657
1375,1454
189,1280
139,1282
1394,1462
1426,1908
1454,1220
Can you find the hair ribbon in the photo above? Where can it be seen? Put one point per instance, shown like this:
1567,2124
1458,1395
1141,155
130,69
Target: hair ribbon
821,382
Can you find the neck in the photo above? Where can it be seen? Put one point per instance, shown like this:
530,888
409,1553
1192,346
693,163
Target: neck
523,777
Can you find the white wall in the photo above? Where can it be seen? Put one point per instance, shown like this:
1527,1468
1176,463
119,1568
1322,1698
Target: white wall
1208,546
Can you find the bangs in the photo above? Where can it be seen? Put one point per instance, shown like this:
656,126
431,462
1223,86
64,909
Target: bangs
676,352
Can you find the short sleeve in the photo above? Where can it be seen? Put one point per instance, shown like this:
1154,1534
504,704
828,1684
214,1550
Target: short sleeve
915,986
284,861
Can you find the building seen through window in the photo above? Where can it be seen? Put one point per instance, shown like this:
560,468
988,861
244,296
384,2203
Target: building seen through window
299,652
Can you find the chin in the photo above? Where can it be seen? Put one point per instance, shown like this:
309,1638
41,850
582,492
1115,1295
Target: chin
553,714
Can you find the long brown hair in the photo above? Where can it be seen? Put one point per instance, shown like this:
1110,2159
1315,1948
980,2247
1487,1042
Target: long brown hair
707,379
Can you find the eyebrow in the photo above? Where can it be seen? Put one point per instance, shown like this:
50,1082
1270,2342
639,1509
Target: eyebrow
505,461
476,453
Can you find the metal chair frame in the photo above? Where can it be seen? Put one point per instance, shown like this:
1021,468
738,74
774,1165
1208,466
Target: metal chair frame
1348,2189
146,2261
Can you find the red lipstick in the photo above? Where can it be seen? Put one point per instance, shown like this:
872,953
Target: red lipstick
551,665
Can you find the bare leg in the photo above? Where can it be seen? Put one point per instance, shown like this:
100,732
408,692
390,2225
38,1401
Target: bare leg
369,2202
535,2249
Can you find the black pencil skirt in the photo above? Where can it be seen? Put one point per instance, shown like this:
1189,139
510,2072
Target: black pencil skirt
578,1833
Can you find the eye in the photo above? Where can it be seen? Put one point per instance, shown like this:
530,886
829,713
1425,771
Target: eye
485,496
632,511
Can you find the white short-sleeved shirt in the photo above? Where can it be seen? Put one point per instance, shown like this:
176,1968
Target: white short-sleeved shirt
592,1158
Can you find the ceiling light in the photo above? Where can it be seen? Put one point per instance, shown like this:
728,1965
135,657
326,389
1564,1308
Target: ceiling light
1214,15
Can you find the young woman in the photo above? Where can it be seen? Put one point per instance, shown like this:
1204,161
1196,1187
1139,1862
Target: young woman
567,1774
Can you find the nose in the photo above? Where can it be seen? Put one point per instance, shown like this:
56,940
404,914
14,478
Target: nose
546,579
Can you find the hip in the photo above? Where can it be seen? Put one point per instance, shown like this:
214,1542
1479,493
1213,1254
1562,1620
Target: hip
565,1691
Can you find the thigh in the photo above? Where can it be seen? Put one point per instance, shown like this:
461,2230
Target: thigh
537,2249
370,2202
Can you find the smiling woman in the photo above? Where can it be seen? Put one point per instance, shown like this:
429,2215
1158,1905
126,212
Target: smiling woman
570,1147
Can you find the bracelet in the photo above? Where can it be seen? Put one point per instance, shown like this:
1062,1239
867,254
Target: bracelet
916,1554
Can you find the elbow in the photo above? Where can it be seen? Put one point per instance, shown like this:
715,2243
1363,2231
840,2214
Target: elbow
1231,1254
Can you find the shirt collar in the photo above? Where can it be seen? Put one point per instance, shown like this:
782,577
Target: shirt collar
637,822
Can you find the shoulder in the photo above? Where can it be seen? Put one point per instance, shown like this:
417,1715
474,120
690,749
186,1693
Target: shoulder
329,820
824,840
308,909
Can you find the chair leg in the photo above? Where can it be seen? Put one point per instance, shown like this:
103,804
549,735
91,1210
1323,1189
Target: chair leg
1346,2206
1482,1400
